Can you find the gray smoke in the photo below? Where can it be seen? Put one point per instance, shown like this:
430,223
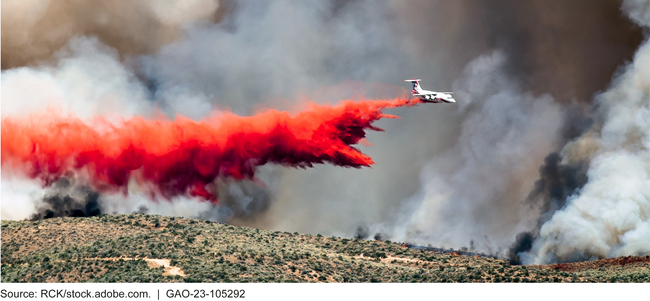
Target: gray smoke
610,215
34,30
476,189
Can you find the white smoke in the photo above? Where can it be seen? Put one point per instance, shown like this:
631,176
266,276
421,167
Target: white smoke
87,80
610,216
476,190
18,198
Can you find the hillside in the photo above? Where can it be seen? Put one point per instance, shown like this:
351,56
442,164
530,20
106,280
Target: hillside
151,248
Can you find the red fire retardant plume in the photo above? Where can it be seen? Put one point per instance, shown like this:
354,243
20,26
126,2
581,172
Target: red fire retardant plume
184,156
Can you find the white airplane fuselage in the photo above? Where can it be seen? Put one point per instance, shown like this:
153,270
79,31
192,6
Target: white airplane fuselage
429,96
436,97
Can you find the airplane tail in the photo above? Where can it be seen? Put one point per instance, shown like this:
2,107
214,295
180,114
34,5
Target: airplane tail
416,85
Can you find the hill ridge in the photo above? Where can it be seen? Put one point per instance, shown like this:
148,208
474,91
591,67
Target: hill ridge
62,249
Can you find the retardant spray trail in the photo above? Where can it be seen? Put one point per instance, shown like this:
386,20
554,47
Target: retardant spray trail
184,156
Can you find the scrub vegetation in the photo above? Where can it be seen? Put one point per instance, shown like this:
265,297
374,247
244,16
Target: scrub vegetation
121,248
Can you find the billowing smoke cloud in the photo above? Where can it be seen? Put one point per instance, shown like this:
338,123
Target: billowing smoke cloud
87,80
33,30
557,182
438,48
481,157
610,215
473,191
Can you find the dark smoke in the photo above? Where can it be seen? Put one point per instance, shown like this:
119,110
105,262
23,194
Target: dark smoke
68,200
246,200
362,232
567,48
381,236
557,182
523,243
142,209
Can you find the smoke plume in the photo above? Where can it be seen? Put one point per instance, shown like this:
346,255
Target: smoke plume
33,30
609,216
472,191
557,182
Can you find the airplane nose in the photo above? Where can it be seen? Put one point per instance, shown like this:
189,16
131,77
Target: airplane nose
451,100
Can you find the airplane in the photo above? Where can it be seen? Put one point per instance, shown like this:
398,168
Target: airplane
430,96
